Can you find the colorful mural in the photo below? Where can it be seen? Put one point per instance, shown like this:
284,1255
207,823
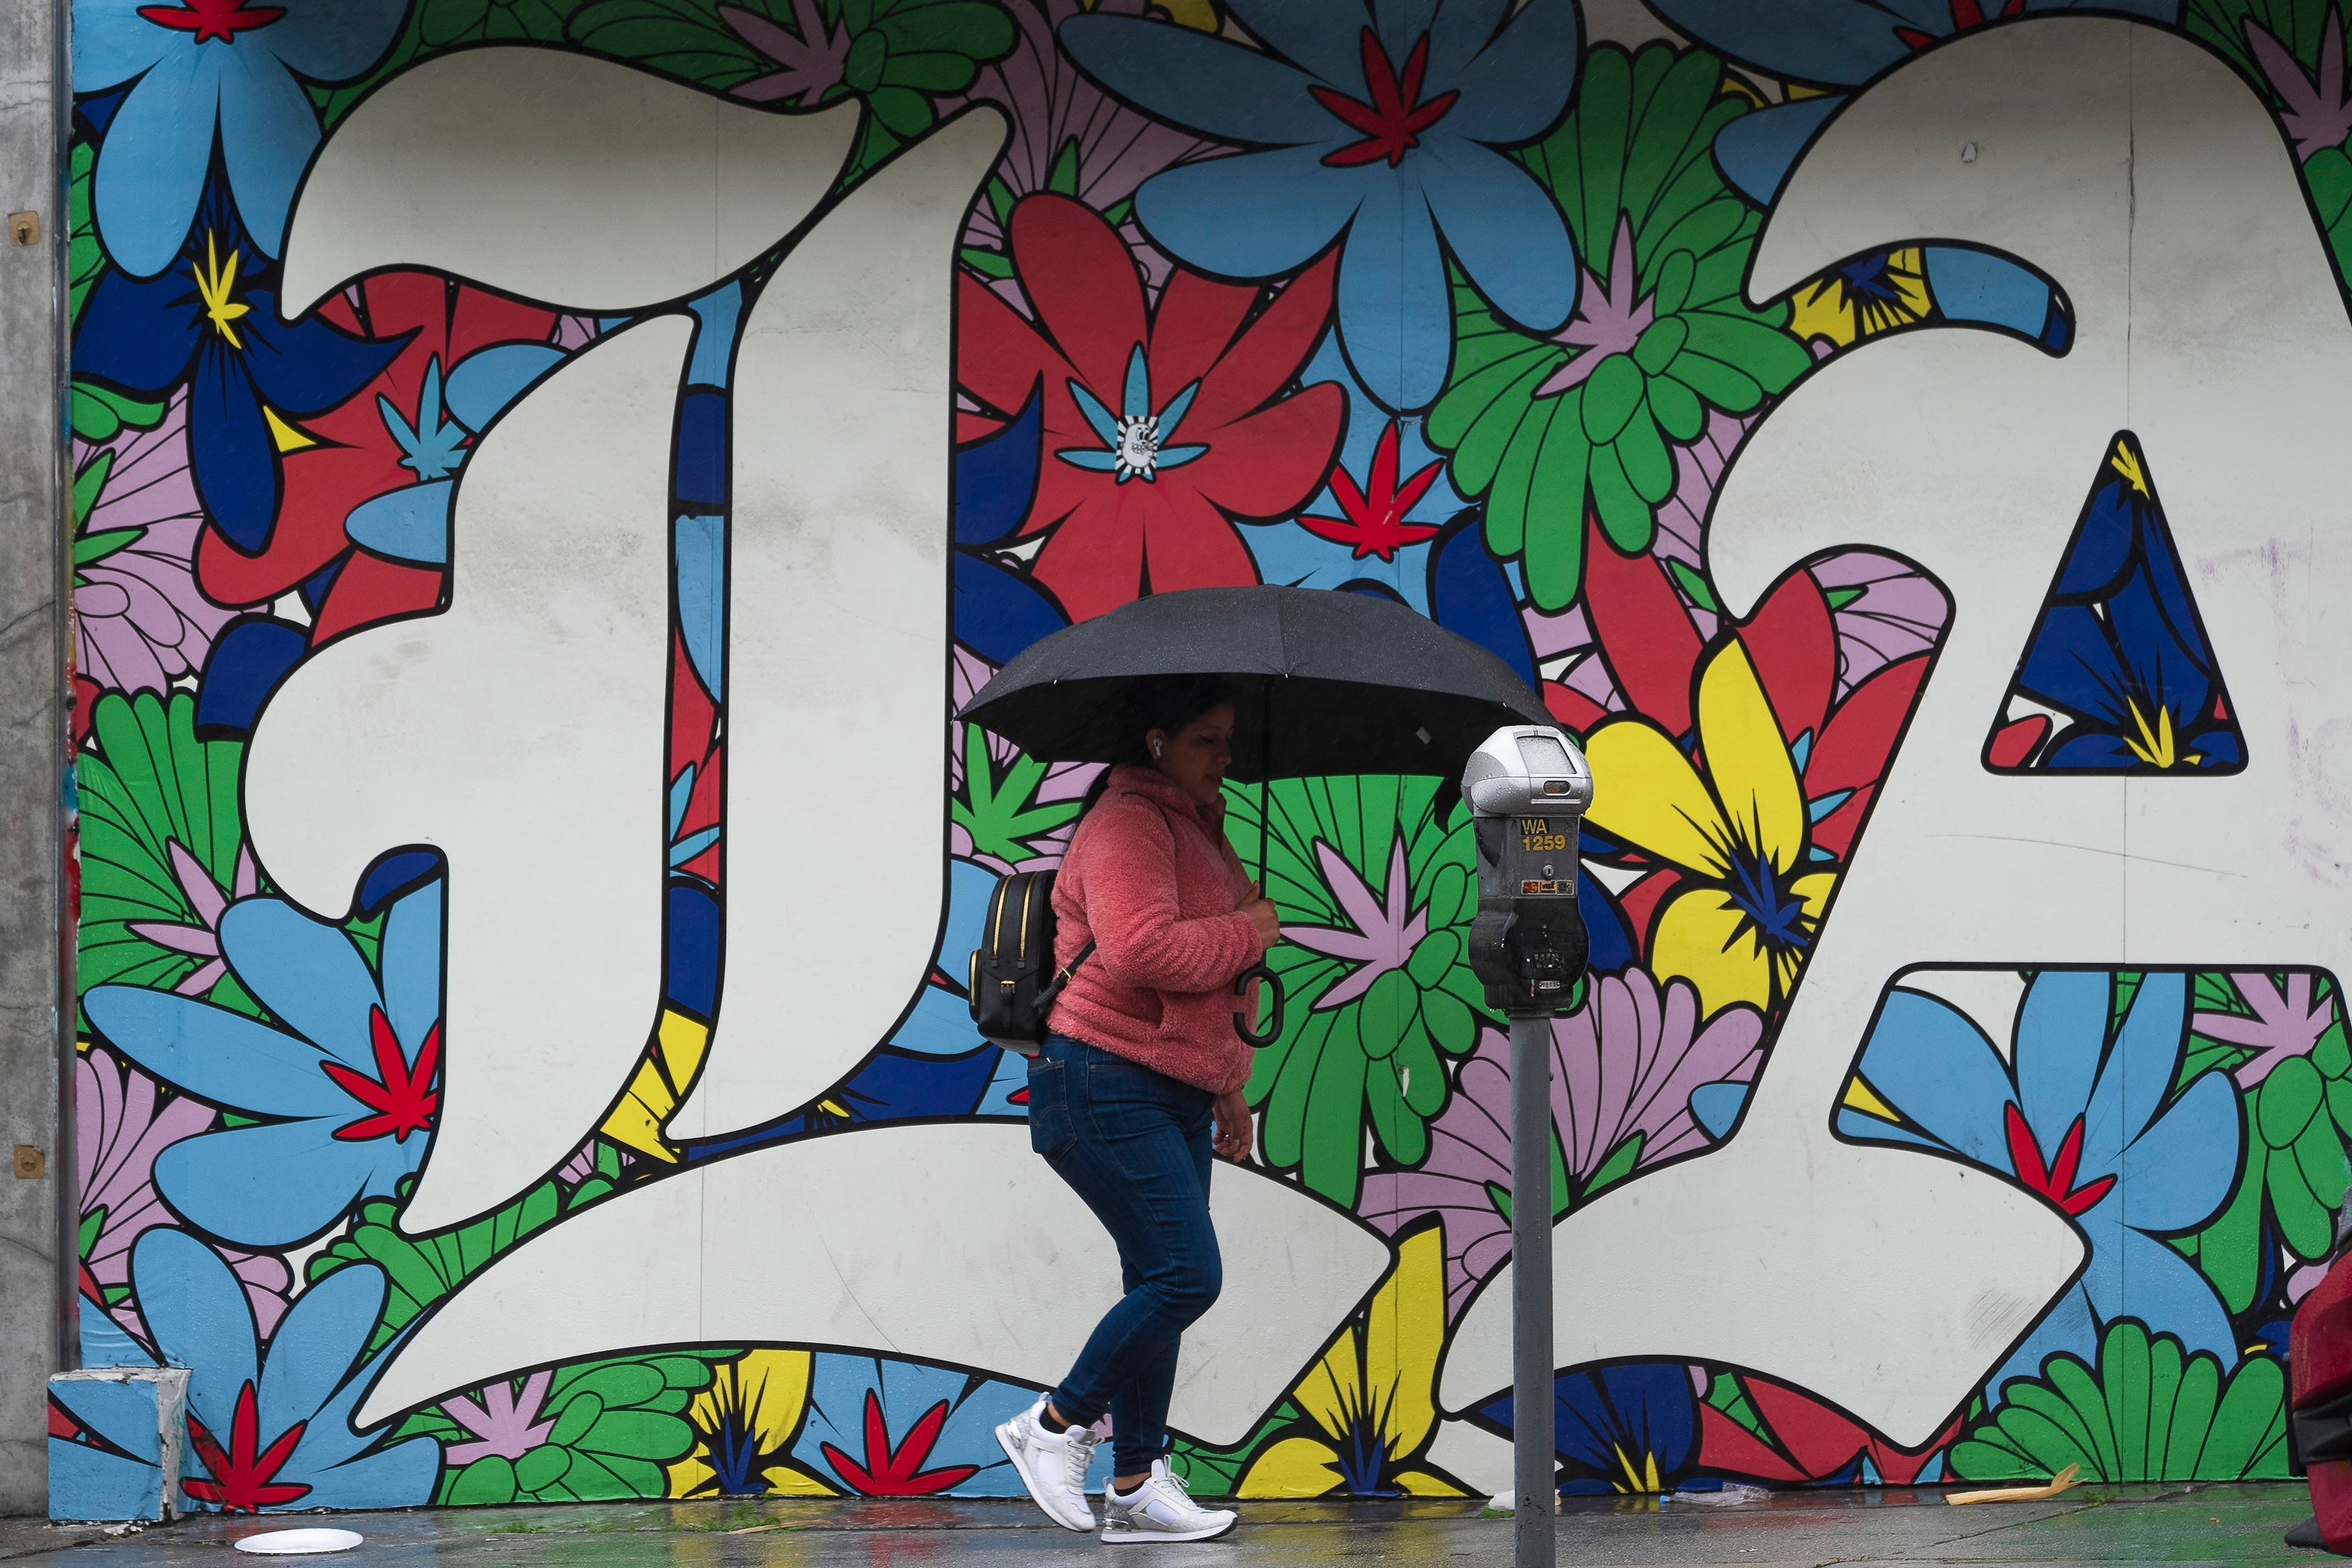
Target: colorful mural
545,470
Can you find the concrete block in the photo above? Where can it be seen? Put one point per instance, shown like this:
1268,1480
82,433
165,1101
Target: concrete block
114,1442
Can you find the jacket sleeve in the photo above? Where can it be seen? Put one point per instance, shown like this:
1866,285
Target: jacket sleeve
1130,907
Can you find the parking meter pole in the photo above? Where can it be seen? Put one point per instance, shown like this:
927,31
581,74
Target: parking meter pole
1527,788
1532,1461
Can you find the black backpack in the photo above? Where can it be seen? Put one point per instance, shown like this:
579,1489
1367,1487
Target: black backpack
1011,979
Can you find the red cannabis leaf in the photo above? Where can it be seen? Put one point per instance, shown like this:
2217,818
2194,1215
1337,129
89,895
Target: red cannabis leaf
898,1473
210,19
402,1099
1966,13
2054,1181
1395,118
241,1481
1375,523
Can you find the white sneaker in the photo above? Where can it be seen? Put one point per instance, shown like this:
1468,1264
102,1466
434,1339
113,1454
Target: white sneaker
1161,1510
1052,1465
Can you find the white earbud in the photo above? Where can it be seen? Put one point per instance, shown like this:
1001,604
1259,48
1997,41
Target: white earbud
1156,746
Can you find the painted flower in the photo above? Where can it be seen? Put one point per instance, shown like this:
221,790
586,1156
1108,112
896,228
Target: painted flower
1552,425
1381,133
2088,1112
213,316
744,1424
1625,1430
1887,611
1764,1431
1369,1408
163,849
207,72
141,621
1162,424
2150,1411
350,1082
1375,522
1375,879
894,1428
1838,46
899,55
592,1432
2317,111
122,1122
1862,297
1068,135
1623,1066
2282,1040
265,1432
2120,655
369,486
1740,915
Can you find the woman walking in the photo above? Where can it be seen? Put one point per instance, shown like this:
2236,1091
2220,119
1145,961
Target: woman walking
1140,1081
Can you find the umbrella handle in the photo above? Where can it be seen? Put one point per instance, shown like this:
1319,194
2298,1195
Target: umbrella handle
1273,1031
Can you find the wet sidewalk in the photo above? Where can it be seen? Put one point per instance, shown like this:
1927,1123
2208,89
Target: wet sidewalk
2240,1525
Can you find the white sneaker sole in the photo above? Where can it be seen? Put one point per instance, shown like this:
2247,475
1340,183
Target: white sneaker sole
1037,1493
1121,1535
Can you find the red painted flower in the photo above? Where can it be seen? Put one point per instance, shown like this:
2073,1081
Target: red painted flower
1395,117
898,1473
1161,425
241,1473
210,19
2055,1179
1375,523
1966,13
1805,1441
401,1097
393,435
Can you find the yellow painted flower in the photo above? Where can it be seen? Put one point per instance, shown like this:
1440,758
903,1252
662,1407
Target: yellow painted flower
1369,1403
663,1075
1864,298
1735,825
744,1424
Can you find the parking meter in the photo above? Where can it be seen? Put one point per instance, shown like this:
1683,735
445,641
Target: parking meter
1529,789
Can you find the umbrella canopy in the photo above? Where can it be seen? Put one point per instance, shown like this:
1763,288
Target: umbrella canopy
1326,682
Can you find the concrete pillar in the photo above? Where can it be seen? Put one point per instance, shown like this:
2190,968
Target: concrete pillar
37,1261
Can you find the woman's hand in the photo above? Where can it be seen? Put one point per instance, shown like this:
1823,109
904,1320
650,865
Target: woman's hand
1264,916
1236,1131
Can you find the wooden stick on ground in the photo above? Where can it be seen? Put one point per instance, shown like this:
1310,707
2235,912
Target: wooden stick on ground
2061,1482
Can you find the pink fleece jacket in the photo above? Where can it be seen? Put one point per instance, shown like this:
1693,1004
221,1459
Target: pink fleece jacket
1149,878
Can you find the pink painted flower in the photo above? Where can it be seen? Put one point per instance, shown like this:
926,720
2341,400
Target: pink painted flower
1386,928
2286,1023
141,619
208,899
811,64
1884,611
2317,113
1612,314
1698,472
122,1123
505,1422
1623,1066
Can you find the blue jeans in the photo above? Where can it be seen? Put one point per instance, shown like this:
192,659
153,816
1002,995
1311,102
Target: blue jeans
1134,1144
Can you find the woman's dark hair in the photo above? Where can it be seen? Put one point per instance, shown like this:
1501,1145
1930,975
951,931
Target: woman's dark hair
1165,702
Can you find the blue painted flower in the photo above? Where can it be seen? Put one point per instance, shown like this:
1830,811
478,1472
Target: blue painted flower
272,1432
2120,652
1838,46
2083,1113
1000,611
212,320
350,1083
897,1429
202,69
1378,129
1631,1428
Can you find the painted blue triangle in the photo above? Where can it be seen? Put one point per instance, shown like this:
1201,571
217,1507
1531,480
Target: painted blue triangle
2119,675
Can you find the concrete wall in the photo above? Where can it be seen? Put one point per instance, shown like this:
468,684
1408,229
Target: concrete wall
34,1241
541,503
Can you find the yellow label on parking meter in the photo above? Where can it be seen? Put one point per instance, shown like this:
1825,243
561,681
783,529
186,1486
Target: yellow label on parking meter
1536,837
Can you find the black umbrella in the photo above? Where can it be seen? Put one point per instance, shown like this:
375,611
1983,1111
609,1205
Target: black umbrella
1329,683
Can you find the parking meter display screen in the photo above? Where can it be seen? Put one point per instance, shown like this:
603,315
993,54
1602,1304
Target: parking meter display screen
1543,754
